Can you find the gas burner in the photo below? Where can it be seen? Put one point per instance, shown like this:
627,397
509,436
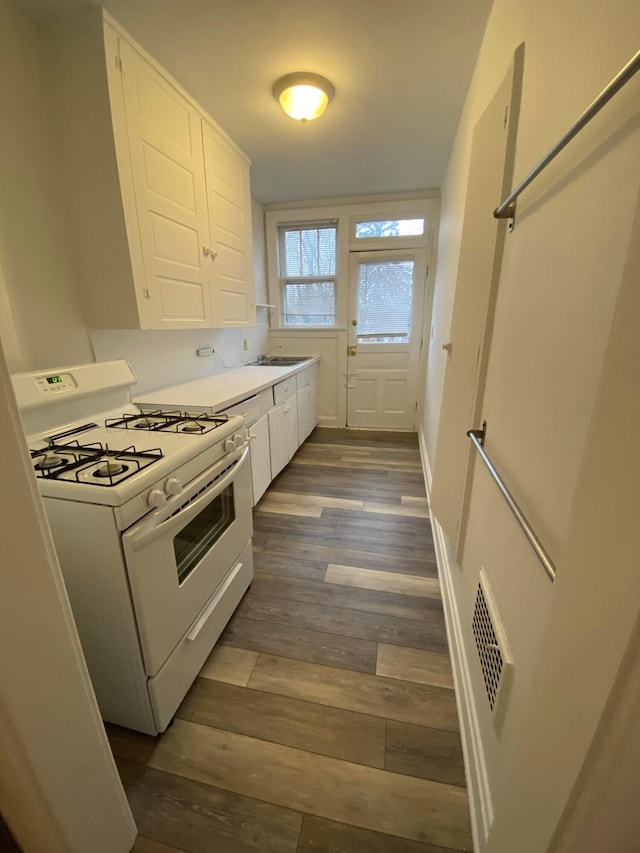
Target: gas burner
48,461
144,423
110,469
192,426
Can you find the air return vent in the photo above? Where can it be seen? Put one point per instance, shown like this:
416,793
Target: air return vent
493,652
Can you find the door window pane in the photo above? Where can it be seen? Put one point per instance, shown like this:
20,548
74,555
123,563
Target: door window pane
385,297
389,228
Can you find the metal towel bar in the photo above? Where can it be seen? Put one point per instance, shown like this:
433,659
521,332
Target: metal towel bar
477,439
507,209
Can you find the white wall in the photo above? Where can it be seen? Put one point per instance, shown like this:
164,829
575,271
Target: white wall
35,255
573,784
59,787
560,280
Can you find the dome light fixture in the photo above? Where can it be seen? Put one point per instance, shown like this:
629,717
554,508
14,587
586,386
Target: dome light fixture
302,95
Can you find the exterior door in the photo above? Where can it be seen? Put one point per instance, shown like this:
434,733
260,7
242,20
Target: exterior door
386,299
165,146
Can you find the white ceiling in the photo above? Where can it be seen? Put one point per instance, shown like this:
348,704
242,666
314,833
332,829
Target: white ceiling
401,69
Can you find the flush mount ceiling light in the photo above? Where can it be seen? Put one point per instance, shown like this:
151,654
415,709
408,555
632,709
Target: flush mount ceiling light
303,95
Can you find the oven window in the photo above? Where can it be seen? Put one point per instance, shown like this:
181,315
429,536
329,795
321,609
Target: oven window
195,540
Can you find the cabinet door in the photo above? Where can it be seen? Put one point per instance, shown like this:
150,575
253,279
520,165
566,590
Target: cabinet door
278,438
291,415
307,411
229,205
260,457
283,433
165,148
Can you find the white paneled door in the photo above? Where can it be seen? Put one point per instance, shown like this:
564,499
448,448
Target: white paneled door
386,299
168,170
483,237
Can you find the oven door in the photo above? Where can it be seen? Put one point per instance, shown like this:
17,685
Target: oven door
180,554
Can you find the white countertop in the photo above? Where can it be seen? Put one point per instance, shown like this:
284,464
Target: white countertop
221,390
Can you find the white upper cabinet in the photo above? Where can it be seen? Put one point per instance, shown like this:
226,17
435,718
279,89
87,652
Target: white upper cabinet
165,150
159,197
229,204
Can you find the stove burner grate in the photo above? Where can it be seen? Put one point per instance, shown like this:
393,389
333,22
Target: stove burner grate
76,461
176,421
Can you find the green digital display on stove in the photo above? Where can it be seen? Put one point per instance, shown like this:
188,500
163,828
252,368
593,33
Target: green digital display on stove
53,380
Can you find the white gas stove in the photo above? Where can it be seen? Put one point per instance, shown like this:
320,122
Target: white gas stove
151,517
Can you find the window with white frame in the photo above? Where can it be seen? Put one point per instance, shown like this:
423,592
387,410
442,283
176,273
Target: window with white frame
307,273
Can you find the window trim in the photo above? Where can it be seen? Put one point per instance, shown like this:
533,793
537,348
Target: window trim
344,213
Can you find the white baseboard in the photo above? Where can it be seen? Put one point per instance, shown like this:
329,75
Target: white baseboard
480,805
328,421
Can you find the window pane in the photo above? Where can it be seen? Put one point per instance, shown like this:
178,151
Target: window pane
309,303
390,228
307,251
385,295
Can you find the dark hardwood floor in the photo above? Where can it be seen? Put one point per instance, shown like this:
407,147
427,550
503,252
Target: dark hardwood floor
324,720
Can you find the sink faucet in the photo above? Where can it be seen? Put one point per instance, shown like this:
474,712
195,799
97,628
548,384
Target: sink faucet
262,358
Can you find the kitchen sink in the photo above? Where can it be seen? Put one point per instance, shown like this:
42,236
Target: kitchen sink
281,360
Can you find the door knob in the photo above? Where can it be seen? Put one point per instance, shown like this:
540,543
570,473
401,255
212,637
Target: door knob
447,346
354,322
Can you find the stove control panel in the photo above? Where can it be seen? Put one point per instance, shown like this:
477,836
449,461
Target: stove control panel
55,383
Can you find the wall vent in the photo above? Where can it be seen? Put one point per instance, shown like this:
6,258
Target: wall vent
493,652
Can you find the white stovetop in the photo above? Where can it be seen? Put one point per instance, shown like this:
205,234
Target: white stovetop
177,449
214,393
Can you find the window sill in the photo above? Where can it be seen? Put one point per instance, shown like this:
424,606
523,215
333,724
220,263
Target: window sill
277,330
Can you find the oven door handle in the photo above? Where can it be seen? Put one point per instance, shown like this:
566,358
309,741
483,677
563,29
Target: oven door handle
164,522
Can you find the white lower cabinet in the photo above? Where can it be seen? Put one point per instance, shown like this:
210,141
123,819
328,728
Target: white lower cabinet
283,433
307,399
260,457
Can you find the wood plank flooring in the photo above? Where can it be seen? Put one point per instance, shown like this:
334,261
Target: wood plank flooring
324,720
